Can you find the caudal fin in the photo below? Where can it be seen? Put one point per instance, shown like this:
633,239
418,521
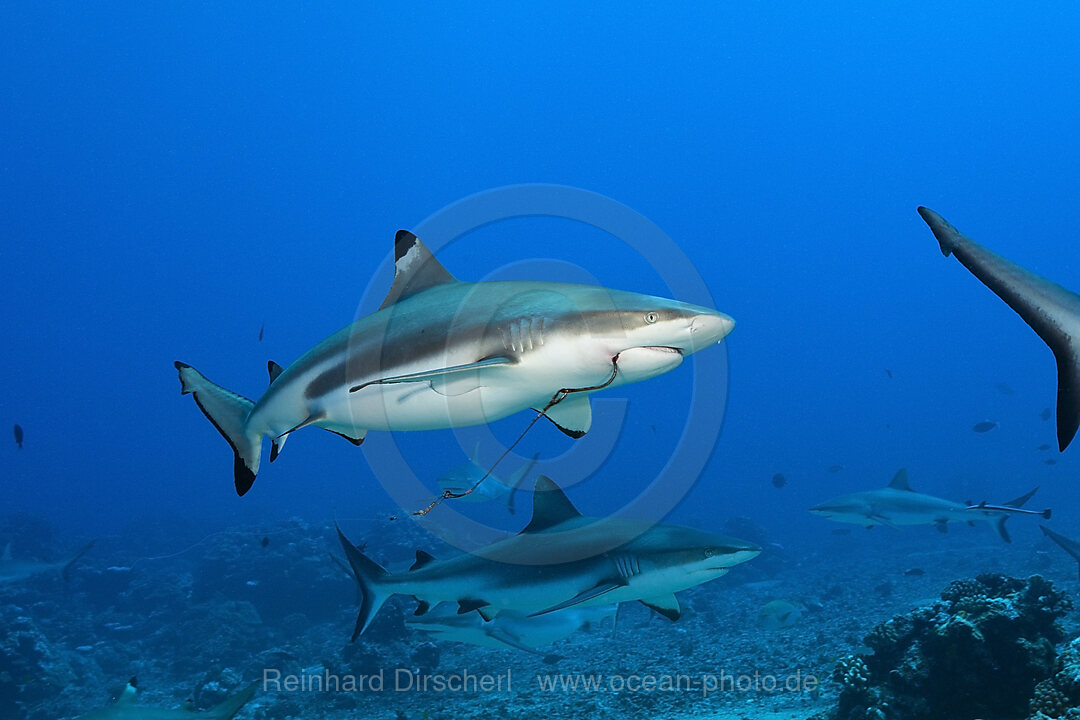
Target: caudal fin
1049,309
999,525
369,575
66,570
229,413
232,704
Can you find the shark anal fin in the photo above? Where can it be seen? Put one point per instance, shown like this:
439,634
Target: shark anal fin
666,605
584,596
572,415
942,526
422,559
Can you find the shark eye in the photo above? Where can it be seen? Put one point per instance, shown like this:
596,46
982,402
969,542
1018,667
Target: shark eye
651,317
710,552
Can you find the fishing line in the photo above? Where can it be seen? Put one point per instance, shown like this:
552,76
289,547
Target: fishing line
557,398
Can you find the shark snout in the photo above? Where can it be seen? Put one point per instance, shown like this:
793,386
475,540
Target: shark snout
709,328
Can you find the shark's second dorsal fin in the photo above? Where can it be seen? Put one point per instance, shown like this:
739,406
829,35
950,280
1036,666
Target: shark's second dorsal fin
551,507
415,269
422,559
899,481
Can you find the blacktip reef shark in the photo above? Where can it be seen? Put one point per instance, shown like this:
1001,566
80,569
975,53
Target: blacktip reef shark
12,570
126,708
560,560
1052,311
473,483
509,629
898,504
1067,544
442,353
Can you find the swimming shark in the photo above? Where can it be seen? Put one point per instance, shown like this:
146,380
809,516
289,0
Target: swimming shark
1052,311
509,629
125,708
12,570
898,504
1067,544
561,560
472,482
443,353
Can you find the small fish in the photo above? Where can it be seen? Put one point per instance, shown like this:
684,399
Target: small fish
914,572
1005,389
265,541
889,373
835,468
262,329
1050,461
984,426
1046,414
779,615
18,435
1043,447
778,480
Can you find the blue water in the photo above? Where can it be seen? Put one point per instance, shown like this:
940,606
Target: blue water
175,178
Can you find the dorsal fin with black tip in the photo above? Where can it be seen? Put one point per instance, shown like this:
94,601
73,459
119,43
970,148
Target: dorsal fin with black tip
274,369
415,269
422,559
900,481
551,507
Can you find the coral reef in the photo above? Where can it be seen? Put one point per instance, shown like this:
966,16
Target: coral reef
978,653
1059,695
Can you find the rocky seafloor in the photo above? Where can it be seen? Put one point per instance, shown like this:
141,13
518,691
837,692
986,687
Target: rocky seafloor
200,621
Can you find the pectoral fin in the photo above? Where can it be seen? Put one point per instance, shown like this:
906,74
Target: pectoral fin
584,596
666,605
572,415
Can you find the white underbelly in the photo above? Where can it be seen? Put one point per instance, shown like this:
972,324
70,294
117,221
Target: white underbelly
416,406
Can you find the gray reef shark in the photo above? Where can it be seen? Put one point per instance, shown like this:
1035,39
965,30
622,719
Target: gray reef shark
1067,544
442,353
561,560
509,629
1052,311
125,708
12,570
474,483
898,504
